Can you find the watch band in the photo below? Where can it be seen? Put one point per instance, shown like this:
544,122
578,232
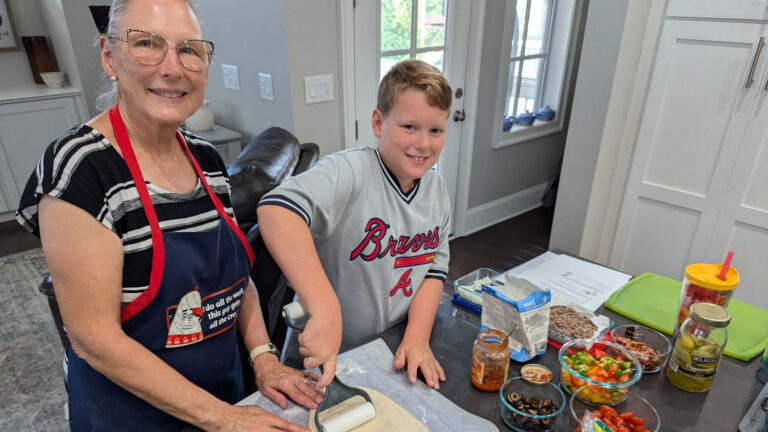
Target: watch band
261,349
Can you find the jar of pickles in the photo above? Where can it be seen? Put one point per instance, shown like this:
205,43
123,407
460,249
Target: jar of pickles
490,360
698,347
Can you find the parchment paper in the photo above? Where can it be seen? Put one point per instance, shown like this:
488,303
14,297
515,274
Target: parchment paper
370,365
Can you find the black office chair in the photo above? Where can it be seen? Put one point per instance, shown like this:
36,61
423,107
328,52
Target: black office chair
267,161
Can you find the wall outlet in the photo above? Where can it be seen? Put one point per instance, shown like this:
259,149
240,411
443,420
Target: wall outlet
318,88
265,84
231,79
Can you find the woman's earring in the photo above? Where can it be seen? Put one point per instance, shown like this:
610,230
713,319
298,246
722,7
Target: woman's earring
113,78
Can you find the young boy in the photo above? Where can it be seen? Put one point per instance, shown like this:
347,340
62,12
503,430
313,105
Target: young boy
364,234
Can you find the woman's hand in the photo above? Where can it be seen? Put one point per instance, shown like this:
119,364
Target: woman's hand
319,343
419,355
275,381
252,418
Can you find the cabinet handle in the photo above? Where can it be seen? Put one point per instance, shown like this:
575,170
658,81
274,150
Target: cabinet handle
751,76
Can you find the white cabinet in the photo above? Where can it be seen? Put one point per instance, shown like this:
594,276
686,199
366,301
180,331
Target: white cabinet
28,124
719,9
696,188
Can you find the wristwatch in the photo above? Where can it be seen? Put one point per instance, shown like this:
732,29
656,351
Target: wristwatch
261,349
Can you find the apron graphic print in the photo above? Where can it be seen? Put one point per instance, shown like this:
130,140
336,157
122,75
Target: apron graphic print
186,327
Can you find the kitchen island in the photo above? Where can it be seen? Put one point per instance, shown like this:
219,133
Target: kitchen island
720,409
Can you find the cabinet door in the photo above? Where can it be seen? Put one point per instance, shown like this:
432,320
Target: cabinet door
26,129
743,223
719,9
693,122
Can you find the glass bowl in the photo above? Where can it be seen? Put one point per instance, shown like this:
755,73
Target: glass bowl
631,403
615,375
639,339
531,392
470,286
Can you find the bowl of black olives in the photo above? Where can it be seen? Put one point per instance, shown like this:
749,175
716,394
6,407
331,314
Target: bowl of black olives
530,404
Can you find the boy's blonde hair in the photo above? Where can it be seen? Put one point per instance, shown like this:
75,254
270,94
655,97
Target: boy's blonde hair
418,75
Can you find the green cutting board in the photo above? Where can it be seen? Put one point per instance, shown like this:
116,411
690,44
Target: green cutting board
654,300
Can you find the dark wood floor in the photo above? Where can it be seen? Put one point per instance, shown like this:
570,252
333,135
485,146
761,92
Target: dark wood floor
14,238
504,245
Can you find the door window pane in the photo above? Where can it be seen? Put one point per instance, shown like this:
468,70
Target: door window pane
538,22
430,31
435,58
386,63
396,24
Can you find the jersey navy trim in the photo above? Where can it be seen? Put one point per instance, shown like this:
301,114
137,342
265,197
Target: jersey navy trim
429,276
392,180
285,202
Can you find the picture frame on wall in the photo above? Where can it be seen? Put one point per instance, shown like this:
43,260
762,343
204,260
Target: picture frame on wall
9,37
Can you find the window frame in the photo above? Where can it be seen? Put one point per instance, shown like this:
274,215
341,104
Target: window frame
558,70
412,51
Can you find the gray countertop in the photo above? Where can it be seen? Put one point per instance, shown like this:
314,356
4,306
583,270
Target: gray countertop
720,409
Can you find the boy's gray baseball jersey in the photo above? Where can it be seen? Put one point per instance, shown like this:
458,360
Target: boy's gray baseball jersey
376,243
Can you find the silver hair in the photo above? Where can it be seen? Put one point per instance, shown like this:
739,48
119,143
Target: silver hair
106,91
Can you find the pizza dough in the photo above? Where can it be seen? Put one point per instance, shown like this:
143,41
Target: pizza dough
389,415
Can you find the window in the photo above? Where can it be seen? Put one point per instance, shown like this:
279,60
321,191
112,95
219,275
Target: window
534,68
528,57
412,29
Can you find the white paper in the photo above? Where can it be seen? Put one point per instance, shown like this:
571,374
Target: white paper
572,280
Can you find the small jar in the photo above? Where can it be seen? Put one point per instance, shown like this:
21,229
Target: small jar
490,360
698,347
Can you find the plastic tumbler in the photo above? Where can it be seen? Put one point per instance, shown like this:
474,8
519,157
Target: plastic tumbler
702,284
762,373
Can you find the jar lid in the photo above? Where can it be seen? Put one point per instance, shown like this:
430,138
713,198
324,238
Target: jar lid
710,314
706,275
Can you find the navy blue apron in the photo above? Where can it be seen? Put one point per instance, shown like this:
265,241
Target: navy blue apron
187,316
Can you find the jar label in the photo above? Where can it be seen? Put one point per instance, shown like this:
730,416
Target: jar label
478,370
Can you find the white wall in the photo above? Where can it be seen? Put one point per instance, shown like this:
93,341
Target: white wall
599,54
312,32
14,66
84,36
251,35
497,173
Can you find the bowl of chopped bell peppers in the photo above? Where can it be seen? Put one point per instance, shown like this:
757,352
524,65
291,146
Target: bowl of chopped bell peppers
609,367
633,414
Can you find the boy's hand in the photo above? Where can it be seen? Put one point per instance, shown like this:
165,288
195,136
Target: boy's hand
419,355
319,344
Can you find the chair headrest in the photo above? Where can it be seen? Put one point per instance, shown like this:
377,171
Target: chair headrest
265,162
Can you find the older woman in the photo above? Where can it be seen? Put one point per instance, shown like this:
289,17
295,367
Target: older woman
150,270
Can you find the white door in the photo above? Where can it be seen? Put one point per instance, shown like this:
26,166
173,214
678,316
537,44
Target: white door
743,223
436,31
696,113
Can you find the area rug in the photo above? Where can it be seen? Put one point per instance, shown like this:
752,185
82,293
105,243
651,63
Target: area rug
33,396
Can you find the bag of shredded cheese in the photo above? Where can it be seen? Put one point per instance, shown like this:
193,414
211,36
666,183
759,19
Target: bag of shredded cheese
520,309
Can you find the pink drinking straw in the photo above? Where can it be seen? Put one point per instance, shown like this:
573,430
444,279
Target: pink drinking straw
726,265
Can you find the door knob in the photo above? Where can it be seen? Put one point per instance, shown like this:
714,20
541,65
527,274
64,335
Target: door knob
458,115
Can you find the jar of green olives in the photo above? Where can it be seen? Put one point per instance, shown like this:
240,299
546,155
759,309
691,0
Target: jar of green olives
698,347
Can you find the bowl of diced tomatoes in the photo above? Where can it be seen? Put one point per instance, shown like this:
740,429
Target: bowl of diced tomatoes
633,414
611,368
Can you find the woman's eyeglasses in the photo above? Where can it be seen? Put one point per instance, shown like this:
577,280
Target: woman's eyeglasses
150,49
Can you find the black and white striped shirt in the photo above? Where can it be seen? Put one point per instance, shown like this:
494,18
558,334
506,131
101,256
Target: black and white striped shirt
83,168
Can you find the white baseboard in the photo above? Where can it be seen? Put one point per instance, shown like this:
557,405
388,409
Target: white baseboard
504,208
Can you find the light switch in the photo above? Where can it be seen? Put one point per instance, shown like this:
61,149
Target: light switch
231,79
318,88
265,84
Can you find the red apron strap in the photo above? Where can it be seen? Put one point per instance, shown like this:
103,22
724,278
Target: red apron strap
158,248
216,202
